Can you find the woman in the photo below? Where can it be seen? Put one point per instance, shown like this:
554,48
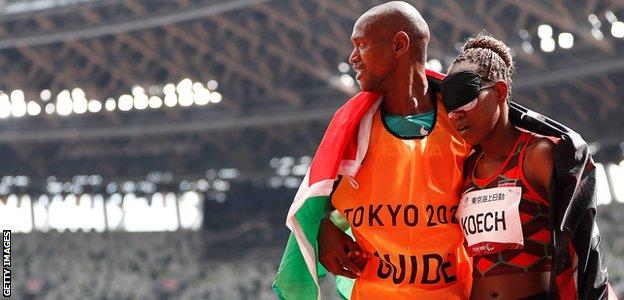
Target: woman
504,208
510,208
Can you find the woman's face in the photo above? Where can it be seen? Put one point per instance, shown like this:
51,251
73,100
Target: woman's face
476,119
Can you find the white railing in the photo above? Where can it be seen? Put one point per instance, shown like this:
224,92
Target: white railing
9,7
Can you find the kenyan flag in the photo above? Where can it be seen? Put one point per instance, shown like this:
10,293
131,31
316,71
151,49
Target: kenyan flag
340,152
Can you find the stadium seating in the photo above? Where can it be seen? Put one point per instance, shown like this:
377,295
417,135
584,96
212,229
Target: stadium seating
237,263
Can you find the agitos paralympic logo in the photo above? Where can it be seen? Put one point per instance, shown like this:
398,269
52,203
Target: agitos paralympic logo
6,263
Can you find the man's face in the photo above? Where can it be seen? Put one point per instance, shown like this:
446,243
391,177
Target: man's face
372,57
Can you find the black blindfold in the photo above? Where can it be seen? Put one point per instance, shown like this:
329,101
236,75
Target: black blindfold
459,89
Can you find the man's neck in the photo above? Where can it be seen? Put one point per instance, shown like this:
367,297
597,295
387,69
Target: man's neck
410,95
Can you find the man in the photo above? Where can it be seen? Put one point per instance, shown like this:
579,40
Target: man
392,163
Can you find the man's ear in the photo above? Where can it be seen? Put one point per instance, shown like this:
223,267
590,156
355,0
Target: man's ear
501,88
401,43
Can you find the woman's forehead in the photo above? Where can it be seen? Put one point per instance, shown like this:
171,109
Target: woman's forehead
463,66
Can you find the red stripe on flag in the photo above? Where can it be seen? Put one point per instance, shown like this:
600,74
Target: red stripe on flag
340,139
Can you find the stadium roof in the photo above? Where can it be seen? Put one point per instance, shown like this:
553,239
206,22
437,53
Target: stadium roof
277,68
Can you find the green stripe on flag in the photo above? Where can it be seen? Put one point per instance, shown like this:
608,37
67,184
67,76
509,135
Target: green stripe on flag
344,285
293,279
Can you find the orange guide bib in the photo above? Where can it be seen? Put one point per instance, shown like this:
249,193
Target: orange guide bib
403,212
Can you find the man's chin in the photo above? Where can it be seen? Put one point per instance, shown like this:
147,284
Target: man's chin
365,87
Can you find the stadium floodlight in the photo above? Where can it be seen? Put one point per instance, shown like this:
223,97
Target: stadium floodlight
215,97
154,89
597,34
141,101
616,176
287,161
7,180
49,108
18,108
55,188
186,97
15,213
155,102
347,80
274,162
299,170
594,21
21,180
203,185
77,93
547,45
125,102
111,188
197,86
169,89
45,95
202,97
228,173
171,100
64,103
137,90
185,85
275,182
617,29
146,187
95,106
33,108
185,93
17,95
128,187
5,106
220,197
80,104
110,104
566,40
435,65
344,67
603,192
221,185
212,85
305,160
544,31
610,16
95,180
524,34
292,182
184,186
527,47
283,171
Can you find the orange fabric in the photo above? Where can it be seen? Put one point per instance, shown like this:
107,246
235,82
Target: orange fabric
402,211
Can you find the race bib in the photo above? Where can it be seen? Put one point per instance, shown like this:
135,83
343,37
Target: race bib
490,220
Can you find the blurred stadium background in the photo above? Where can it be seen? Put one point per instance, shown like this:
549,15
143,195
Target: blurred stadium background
149,149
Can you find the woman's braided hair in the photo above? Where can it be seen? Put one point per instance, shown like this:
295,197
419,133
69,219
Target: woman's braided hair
492,57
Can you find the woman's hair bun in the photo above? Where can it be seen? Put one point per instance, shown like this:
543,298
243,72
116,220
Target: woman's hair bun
486,41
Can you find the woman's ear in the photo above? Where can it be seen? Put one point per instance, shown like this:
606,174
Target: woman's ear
501,89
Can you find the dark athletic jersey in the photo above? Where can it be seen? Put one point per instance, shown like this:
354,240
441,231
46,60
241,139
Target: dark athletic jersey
535,255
